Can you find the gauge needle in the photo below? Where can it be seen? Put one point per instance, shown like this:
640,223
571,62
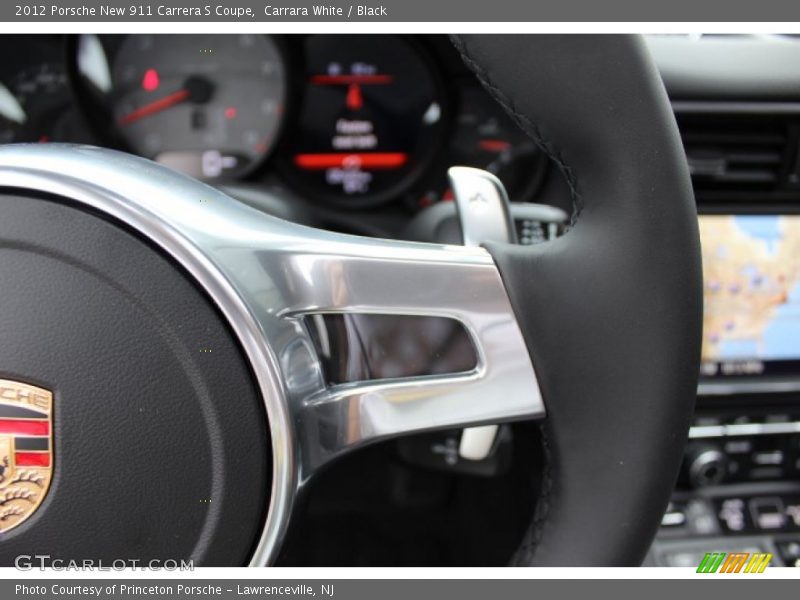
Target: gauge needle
155,107
195,89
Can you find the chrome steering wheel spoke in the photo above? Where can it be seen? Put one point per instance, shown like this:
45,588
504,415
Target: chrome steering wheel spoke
267,276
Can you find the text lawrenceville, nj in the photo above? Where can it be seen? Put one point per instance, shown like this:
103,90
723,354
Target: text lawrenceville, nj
163,10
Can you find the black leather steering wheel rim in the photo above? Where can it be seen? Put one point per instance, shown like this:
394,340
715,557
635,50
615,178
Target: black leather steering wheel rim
612,311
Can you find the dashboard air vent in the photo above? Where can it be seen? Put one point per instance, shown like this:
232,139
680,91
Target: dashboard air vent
738,153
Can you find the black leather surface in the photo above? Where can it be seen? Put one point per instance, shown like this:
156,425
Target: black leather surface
611,312
160,437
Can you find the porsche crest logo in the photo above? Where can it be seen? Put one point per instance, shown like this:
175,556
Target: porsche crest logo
26,455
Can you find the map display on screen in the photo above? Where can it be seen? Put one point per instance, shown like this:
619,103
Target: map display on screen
751,266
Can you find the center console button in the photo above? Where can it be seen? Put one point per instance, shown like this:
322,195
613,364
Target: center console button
768,513
768,457
675,515
707,465
766,473
793,512
778,418
744,446
701,518
732,515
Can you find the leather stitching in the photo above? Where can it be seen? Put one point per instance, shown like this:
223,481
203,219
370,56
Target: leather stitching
533,536
525,123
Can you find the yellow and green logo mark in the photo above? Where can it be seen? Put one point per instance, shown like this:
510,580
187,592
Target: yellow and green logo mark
734,562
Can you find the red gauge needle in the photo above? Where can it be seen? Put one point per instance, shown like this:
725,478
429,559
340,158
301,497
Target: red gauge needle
333,160
155,107
196,90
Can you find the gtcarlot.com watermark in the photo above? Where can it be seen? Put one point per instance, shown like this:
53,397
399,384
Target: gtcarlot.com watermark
29,562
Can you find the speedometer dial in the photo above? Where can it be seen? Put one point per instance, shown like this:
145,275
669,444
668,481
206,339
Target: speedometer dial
210,106
370,119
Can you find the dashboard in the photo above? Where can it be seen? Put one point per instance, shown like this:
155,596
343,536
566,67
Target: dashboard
349,123
738,111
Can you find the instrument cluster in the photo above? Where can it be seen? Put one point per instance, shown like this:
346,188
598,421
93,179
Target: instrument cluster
347,121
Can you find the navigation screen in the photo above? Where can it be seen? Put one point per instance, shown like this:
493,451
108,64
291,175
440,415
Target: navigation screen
751,267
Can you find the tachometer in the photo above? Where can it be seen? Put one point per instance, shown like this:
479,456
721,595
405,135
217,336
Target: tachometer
370,118
208,105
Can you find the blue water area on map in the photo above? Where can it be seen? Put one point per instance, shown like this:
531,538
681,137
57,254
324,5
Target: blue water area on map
766,228
739,350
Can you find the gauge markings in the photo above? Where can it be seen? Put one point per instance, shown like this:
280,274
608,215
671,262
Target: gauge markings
210,115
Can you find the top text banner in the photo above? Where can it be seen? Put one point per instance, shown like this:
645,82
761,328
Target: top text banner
448,11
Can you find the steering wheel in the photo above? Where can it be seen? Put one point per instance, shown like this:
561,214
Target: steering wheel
156,332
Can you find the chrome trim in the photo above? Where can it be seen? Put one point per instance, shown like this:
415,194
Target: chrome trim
265,274
735,107
706,431
725,388
484,214
738,429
